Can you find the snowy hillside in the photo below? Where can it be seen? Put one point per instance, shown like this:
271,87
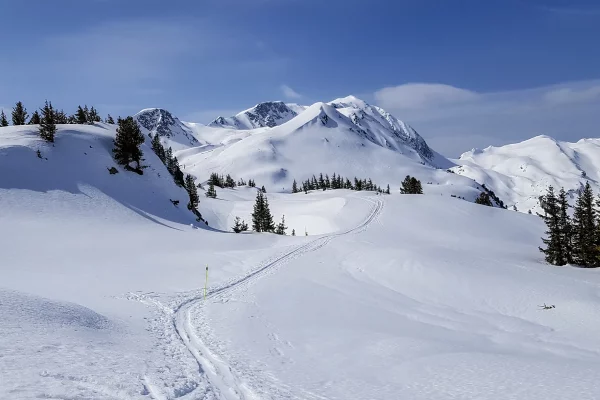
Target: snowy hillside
72,176
262,115
401,296
520,173
173,132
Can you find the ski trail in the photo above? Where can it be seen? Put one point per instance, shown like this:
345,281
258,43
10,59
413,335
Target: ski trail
221,379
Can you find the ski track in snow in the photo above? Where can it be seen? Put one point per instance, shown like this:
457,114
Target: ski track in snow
217,379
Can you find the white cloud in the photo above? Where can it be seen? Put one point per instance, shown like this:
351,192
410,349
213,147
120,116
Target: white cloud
290,93
422,95
454,120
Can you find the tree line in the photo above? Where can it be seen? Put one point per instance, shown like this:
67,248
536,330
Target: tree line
83,115
571,239
324,182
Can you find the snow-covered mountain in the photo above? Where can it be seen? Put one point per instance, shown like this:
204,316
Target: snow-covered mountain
172,131
520,173
268,114
346,136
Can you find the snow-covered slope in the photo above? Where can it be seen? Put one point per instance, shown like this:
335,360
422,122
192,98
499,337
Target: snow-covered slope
73,175
520,173
268,114
324,138
173,132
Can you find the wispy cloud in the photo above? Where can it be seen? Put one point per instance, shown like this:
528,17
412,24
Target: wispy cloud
454,120
290,93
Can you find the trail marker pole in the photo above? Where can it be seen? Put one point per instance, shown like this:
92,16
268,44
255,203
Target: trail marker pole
206,282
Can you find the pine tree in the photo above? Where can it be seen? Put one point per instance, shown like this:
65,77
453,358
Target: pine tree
211,192
3,120
262,189
553,252
267,218
110,120
293,232
229,182
584,229
19,114
294,187
190,186
47,124
564,226
127,143
327,182
280,229
258,212
484,199
239,225
387,191
169,161
94,116
406,185
158,148
35,118
86,112
60,117
81,116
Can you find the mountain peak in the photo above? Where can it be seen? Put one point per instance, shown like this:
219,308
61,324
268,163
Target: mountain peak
158,121
263,115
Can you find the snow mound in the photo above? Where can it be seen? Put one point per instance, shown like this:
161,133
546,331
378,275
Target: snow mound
18,308
171,130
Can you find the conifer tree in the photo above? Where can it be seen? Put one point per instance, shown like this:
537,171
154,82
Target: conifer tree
127,143
387,191
267,218
110,120
81,116
19,114
239,225
262,189
327,182
585,250
3,120
93,116
211,192
86,111
229,182
158,148
60,117
35,118
294,187
484,199
258,212
280,229
293,232
47,124
190,186
564,226
553,252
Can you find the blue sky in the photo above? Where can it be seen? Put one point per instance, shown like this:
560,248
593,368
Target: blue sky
464,73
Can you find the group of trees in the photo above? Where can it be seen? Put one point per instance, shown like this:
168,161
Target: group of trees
168,159
222,182
83,115
337,182
484,199
411,185
576,239
188,182
262,219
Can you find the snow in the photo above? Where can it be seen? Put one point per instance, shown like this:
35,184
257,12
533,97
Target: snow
401,296
520,173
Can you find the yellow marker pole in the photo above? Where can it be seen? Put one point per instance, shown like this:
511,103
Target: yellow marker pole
206,282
